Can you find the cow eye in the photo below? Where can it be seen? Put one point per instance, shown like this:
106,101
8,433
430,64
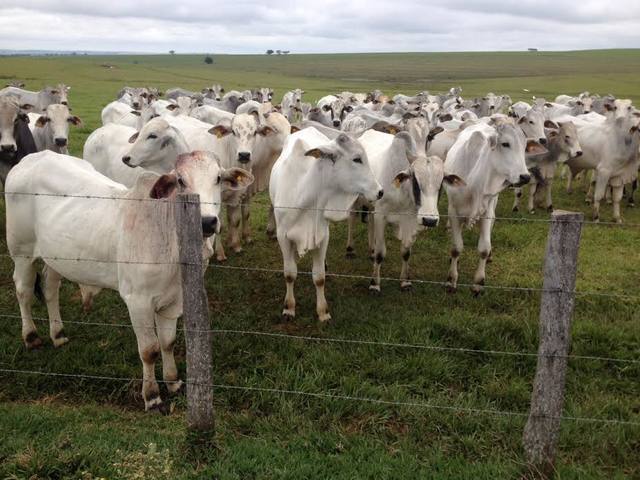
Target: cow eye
531,122
152,136
505,144
357,160
218,180
181,182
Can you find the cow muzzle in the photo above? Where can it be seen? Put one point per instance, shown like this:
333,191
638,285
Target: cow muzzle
8,148
522,180
209,226
60,142
336,123
127,161
429,222
244,157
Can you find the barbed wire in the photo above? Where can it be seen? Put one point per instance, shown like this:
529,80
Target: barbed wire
334,396
329,274
318,209
348,341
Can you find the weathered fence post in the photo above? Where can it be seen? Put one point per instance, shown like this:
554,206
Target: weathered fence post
541,433
195,314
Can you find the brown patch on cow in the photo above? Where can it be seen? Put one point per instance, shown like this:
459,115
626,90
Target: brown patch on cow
60,334
455,253
319,282
379,258
164,186
152,393
484,255
289,278
151,354
406,255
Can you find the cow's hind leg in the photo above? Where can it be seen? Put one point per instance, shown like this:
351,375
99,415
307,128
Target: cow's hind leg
616,196
234,217
166,322
24,276
290,275
456,250
351,225
380,251
484,250
143,319
246,221
271,223
634,186
52,280
405,250
319,256
517,195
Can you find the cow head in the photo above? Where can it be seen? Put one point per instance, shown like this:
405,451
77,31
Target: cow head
10,114
200,172
155,147
348,167
241,135
564,136
509,147
532,125
336,111
58,118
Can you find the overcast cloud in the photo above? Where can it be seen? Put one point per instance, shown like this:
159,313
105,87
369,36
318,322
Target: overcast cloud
303,26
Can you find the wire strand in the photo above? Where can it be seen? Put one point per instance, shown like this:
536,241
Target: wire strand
332,396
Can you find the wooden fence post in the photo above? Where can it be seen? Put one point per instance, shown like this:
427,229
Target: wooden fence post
542,430
195,314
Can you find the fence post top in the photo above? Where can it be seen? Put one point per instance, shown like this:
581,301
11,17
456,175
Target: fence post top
566,215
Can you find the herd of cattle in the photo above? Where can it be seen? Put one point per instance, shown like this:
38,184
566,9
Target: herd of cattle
384,159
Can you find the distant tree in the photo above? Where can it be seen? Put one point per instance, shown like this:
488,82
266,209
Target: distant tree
172,52
279,52
269,52
285,52
208,59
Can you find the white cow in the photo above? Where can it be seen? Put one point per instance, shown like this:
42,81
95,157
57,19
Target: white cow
120,113
39,100
334,109
54,228
51,129
291,105
488,158
411,182
211,115
315,180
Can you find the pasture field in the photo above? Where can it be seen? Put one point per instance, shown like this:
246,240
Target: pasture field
55,427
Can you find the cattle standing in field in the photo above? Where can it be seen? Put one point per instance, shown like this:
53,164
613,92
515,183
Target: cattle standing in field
333,109
314,181
291,105
215,92
411,182
134,244
51,129
16,140
262,95
39,100
488,158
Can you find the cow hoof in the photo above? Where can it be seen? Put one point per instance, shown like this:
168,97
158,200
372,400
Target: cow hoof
271,234
550,209
374,289
325,317
248,240
532,212
176,387
476,290
514,209
451,288
60,341
406,286
350,253
587,201
221,258
619,221
288,315
237,250
631,205
32,341
160,407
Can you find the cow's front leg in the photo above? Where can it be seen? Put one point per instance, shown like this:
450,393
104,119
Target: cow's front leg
166,322
405,251
533,188
380,250
371,234
548,187
600,182
290,275
616,196
143,318
484,250
24,276
52,280
517,194
634,187
234,217
319,256
456,250
271,223
246,221
351,225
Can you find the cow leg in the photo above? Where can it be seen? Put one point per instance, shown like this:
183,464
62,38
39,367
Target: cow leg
371,235
52,280
380,251
234,217
166,329
290,275
634,187
142,318
549,202
599,193
246,224
533,188
24,276
351,225
609,194
405,251
570,182
484,250
456,250
319,256
271,224
616,196
219,249
517,194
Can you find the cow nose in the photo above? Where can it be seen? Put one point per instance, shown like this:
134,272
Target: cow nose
244,157
126,159
218,99
61,142
543,141
136,105
64,103
429,222
579,153
492,107
524,179
380,194
8,148
209,225
336,123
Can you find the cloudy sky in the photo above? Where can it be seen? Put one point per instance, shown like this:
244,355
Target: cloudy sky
252,26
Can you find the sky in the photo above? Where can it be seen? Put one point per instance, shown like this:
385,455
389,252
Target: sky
304,26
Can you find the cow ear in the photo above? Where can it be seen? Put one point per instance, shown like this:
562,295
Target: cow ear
433,132
26,107
535,148
294,129
133,137
220,131
550,124
24,117
326,108
547,104
454,180
172,107
633,129
401,177
522,120
164,186
493,141
321,153
135,112
552,134
235,179
42,121
447,117
75,120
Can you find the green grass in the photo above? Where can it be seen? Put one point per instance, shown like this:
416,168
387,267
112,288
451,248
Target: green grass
70,428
